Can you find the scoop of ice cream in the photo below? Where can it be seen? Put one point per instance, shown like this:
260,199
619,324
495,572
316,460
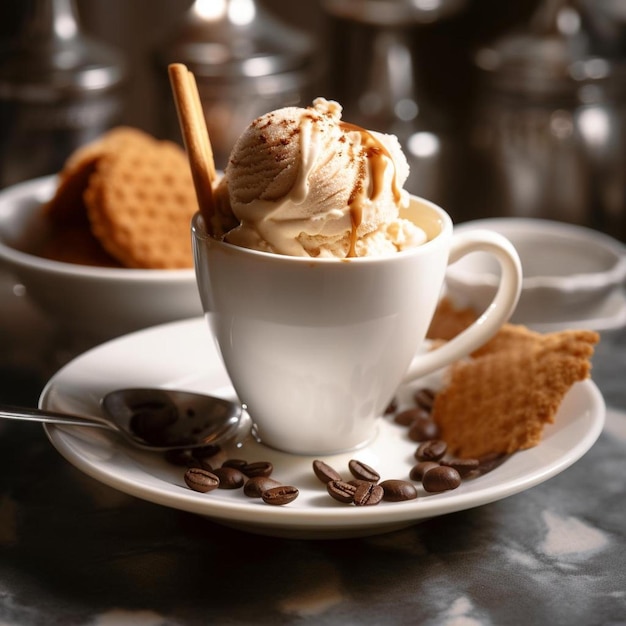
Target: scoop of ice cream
301,182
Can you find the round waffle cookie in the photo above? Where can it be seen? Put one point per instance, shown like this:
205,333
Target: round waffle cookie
140,202
74,243
67,204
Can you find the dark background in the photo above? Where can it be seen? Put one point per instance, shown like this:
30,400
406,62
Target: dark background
447,89
139,28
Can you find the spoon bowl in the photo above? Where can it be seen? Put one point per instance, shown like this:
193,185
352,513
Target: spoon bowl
153,419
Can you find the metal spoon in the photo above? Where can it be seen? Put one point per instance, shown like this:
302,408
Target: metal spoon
153,419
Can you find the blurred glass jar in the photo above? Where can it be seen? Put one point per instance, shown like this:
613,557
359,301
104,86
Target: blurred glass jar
246,63
59,89
550,125
374,75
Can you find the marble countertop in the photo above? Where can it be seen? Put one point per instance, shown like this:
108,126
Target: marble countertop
76,552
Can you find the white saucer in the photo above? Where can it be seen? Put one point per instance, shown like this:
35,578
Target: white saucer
182,355
610,314
573,275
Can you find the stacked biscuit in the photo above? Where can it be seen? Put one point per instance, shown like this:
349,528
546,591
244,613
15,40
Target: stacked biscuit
499,400
124,200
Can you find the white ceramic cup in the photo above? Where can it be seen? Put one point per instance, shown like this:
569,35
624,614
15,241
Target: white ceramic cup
317,348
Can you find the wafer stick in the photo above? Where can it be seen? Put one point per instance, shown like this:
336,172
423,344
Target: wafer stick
204,131
196,138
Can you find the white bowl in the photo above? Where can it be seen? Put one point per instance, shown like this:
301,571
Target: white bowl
573,276
91,302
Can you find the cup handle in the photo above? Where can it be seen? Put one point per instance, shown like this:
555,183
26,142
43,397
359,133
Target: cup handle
496,314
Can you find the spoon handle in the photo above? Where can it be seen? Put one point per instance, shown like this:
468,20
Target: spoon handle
49,417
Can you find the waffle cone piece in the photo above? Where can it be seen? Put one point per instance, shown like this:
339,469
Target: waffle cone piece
500,400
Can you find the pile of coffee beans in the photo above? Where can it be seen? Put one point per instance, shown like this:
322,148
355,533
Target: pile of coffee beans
364,488
434,468
437,471
206,471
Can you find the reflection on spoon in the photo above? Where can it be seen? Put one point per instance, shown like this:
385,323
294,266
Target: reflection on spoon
154,419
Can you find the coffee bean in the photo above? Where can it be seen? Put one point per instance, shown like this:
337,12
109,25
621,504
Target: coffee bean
398,490
325,472
423,429
463,466
441,478
208,457
431,450
230,477
258,468
490,462
391,407
204,451
182,458
284,494
201,480
236,463
417,471
425,398
408,416
341,490
362,471
357,481
368,494
255,487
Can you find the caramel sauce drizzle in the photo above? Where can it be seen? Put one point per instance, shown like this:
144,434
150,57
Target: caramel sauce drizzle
373,152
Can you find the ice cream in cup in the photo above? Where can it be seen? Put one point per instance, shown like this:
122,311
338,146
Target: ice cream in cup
319,276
